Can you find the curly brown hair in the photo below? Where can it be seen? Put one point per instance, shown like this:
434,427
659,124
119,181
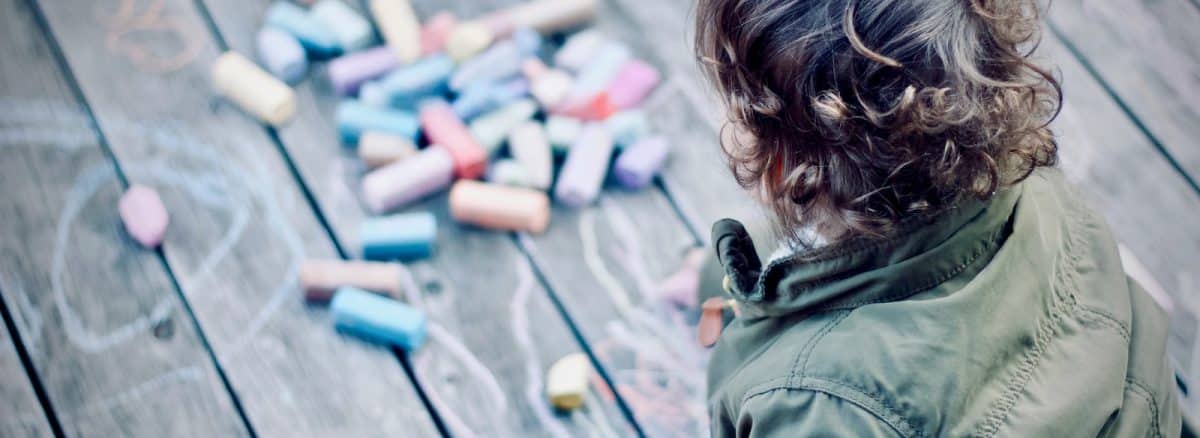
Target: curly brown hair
861,113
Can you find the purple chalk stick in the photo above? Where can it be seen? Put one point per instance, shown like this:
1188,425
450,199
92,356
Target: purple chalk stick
348,72
404,181
582,175
638,163
144,215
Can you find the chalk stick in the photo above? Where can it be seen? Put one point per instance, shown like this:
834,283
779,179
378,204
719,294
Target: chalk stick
144,215
508,172
632,83
628,126
400,236
682,288
398,24
499,207
548,86
596,107
545,16
562,131
281,54
354,118
596,75
350,71
377,149
320,278
408,85
567,381
582,175
404,181
481,97
579,49
435,32
528,145
312,34
500,61
353,32
467,39
637,164
252,89
492,128
377,318
444,128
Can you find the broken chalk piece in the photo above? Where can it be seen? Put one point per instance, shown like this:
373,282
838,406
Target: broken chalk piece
499,207
377,149
348,72
442,127
628,126
632,84
435,31
351,29
252,89
548,86
377,318
582,176
312,34
400,236
354,118
407,180
567,381
579,49
637,165
562,131
320,278
467,39
399,27
507,172
144,215
528,145
281,54
492,128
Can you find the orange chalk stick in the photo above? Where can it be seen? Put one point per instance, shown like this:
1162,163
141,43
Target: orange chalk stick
499,207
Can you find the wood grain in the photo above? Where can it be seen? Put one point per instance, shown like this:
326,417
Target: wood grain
1148,52
240,225
23,416
114,348
482,377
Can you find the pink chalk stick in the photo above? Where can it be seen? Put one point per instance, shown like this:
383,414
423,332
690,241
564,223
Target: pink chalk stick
144,215
682,288
443,127
404,181
348,72
435,31
633,83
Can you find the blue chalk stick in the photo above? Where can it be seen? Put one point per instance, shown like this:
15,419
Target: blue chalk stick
313,35
354,118
377,318
408,85
403,236
485,96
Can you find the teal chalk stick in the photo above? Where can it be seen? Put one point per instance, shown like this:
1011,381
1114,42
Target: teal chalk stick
400,236
314,36
354,118
377,318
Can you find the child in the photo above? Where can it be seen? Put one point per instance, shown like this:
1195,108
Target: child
962,288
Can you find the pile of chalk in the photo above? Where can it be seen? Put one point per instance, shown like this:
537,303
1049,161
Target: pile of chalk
480,107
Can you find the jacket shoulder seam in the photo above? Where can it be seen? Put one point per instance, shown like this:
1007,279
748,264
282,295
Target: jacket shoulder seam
806,352
873,404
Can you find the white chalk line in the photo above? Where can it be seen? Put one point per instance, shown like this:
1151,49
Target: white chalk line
533,368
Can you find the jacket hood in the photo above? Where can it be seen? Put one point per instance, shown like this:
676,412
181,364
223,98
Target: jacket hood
923,252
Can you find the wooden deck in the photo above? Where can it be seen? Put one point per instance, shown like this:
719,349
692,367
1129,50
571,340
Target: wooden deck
210,336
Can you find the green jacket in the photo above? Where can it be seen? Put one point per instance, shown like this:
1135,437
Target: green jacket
1010,317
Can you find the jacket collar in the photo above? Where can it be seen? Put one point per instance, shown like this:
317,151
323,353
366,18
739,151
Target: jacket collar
922,253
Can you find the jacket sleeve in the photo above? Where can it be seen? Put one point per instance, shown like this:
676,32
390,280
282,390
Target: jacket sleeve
798,412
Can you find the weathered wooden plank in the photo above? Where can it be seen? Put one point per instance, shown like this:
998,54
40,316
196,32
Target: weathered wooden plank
115,349
23,416
240,225
1148,53
497,333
